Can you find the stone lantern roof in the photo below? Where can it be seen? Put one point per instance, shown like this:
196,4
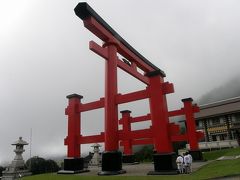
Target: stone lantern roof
96,145
20,142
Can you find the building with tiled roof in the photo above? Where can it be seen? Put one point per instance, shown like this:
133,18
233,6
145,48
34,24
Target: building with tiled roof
220,120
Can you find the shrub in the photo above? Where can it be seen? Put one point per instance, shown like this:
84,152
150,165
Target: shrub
38,165
145,154
1,170
51,166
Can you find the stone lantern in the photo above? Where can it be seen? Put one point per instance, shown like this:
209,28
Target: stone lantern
17,168
96,159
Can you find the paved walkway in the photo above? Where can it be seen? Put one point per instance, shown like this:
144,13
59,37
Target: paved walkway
136,170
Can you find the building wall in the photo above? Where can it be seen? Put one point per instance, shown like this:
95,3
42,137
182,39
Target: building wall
218,128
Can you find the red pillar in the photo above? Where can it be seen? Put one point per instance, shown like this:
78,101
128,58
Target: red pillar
159,113
111,110
72,140
126,123
190,123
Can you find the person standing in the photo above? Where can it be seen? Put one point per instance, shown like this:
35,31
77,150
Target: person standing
190,162
179,162
186,160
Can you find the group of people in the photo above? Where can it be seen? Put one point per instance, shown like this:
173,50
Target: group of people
184,163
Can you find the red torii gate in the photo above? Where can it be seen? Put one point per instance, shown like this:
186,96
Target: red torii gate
160,133
192,136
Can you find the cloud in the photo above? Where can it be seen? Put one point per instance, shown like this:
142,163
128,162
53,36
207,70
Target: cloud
228,90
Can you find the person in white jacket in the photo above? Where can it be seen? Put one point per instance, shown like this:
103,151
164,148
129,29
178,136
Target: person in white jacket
179,162
187,162
190,162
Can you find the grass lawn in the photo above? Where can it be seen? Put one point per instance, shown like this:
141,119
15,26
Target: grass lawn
211,155
211,170
218,169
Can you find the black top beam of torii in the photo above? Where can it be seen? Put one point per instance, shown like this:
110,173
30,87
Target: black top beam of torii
83,11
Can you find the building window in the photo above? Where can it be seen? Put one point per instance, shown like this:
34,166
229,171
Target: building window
209,122
223,137
214,138
197,123
222,120
237,117
215,121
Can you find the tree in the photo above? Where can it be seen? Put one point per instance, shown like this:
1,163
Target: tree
51,166
1,170
38,165
145,154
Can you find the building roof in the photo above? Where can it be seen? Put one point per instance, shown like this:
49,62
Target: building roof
218,108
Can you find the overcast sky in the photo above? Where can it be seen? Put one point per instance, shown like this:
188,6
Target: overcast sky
44,56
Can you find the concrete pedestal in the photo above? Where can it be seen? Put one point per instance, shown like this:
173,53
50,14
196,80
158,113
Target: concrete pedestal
13,174
111,163
164,164
73,166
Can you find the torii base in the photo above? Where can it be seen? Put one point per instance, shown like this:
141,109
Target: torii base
73,166
196,155
111,163
164,164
